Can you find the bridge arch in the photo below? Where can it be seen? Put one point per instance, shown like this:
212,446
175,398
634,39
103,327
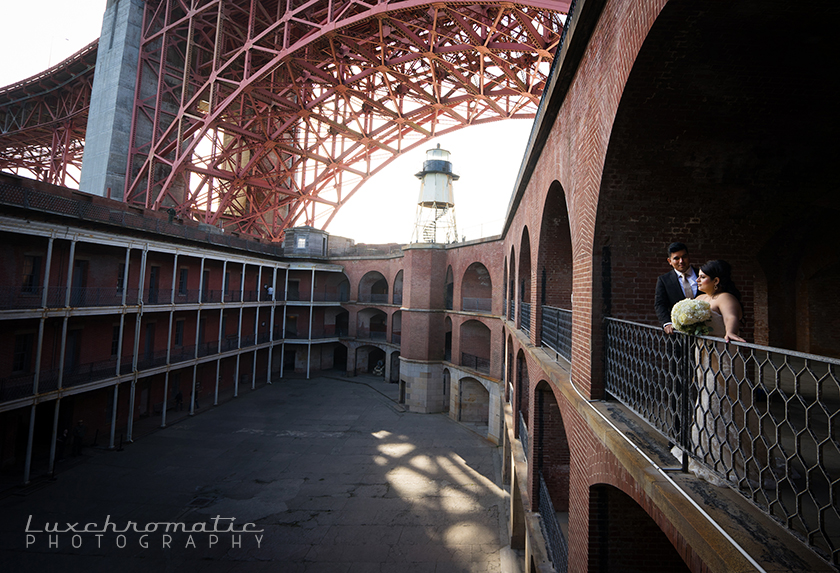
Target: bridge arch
246,144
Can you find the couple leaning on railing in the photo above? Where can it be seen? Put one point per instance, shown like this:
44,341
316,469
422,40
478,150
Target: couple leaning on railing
706,302
701,301
755,417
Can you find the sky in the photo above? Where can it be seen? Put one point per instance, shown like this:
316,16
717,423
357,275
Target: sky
40,33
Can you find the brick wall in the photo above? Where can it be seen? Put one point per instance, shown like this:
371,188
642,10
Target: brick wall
474,401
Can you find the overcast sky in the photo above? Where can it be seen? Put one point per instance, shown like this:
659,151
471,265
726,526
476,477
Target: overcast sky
40,33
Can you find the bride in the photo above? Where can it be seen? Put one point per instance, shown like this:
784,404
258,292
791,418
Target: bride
720,373
715,282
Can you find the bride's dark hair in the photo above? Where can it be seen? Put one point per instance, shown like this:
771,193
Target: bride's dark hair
721,270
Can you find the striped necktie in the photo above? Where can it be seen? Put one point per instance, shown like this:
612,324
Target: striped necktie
686,286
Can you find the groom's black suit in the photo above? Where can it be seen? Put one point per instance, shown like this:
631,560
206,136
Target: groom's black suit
668,293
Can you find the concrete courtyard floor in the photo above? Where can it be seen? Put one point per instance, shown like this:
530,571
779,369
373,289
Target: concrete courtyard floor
332,474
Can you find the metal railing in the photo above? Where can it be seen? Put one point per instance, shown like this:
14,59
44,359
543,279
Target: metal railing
475,362
20,385
368,333
476,304
16,297
381,298
525,317
556,330
523,434
329,296
760,418
558,548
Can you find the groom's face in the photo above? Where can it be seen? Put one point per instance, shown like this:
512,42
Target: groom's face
679,261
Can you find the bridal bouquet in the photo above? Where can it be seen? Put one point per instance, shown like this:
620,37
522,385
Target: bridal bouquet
690,315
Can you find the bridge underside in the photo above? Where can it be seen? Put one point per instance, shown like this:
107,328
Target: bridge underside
43,120
256,117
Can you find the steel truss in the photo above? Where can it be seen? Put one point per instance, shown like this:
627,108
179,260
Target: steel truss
43,120
259,115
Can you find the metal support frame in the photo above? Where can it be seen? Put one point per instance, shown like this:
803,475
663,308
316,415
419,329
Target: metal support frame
138,320
257,115
271,321
276,114
43,120
239,331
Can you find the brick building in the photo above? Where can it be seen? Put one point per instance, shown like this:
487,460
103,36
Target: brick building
663,120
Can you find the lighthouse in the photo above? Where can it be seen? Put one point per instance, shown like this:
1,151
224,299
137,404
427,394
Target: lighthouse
435,221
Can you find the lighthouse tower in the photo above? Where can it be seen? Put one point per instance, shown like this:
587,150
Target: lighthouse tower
436,207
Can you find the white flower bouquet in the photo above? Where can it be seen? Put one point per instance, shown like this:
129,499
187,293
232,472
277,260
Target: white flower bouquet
690,315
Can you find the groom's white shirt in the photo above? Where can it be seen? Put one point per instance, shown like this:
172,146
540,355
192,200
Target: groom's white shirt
692,278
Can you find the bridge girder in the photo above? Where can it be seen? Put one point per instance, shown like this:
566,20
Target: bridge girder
260,115
43,120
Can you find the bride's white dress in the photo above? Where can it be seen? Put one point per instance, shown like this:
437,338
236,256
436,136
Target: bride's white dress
714,434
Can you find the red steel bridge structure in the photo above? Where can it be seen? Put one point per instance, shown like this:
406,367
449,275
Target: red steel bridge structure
260,115
43,120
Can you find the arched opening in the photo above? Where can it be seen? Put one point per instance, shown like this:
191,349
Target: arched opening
511,310
505,288
373,288
398,288
618,527
476,289
396,327
555,274
521,397
704,153
395,367
802,266
290,356
367,357
328,322
473,403
524,277
342,323
332,287
344,290
447,339
474,340
372,324
340,358
509,369
551,447
551,483
447,383
448,289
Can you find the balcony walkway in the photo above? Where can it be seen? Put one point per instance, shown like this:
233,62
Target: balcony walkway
337,475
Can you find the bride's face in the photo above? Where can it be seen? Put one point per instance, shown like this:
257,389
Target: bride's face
706,284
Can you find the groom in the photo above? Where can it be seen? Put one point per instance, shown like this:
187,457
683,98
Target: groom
674,285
